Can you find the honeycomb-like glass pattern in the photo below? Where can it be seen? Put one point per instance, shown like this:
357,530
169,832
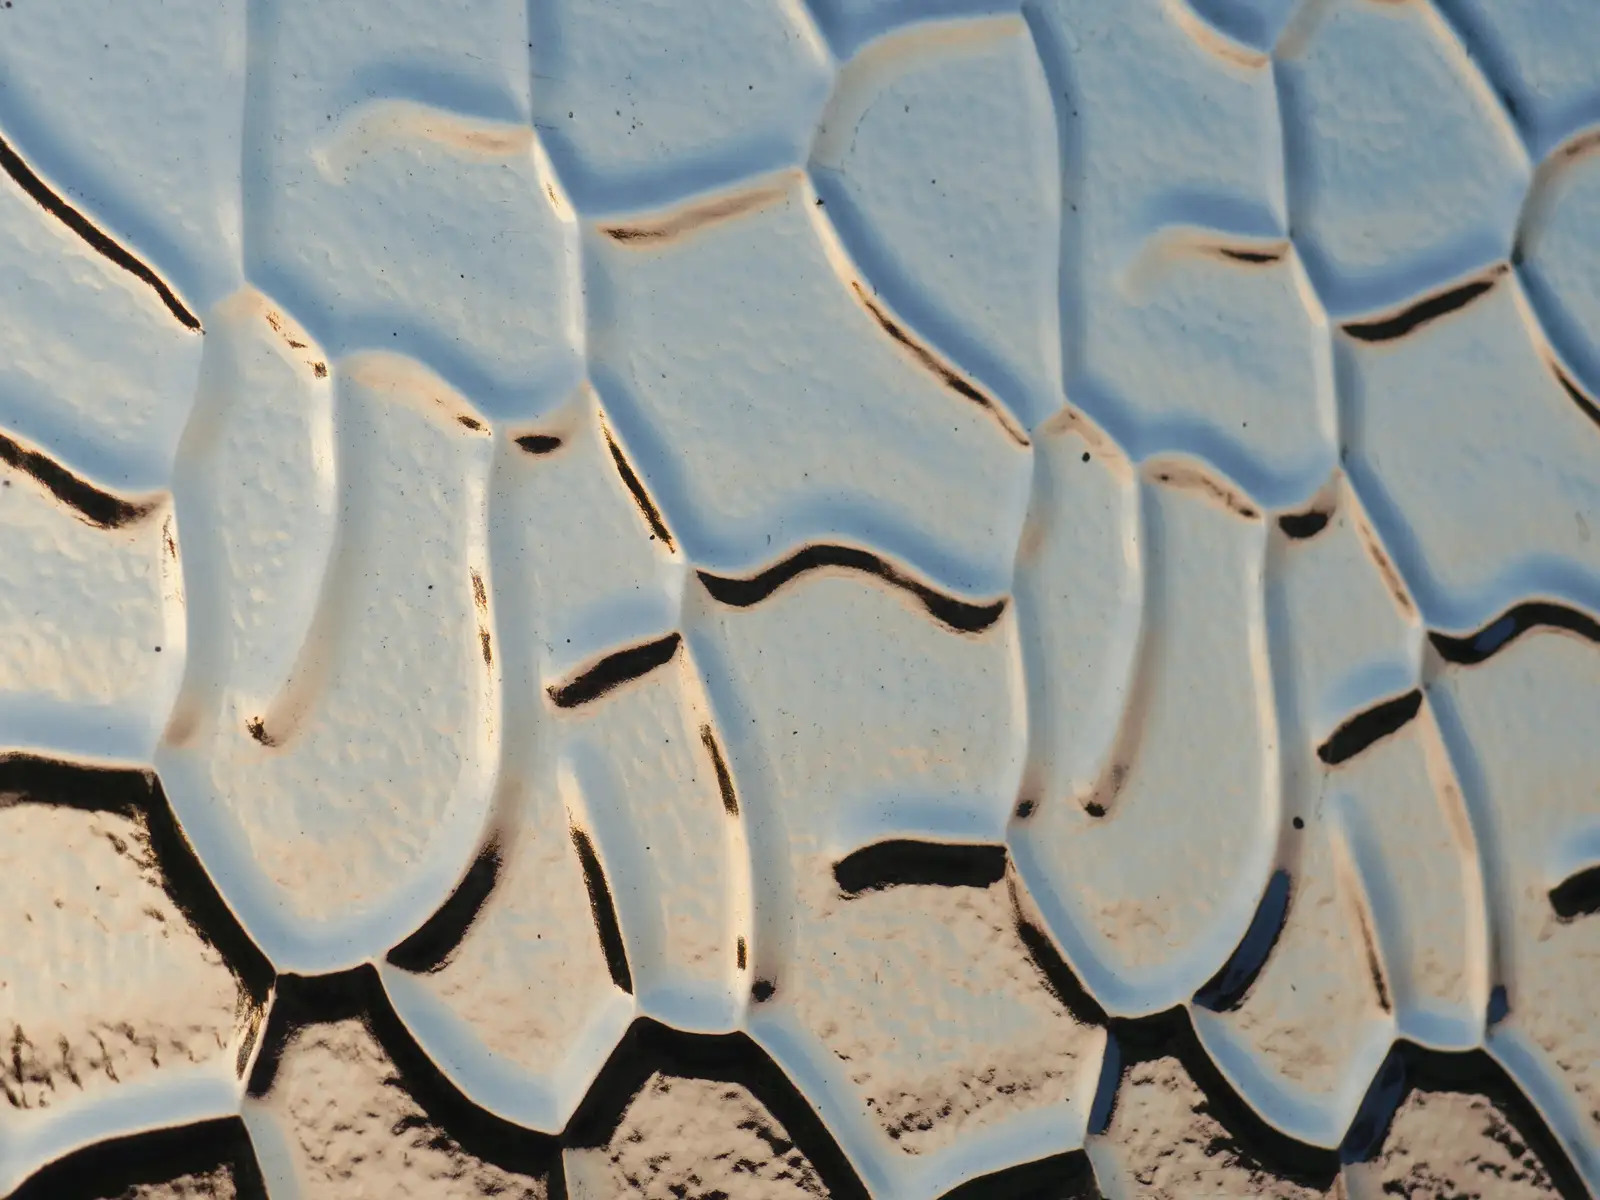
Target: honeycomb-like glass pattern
779,598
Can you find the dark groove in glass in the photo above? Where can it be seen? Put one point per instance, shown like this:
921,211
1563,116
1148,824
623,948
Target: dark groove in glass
604,911
630,480
1227,989
430,946
904,862
960,615
1429,308
730,797
1369,727
97,239
614,670
96,506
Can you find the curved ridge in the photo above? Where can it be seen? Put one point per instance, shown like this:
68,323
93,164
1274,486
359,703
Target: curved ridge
1473,648
96,238
963,616
94,505
1242,38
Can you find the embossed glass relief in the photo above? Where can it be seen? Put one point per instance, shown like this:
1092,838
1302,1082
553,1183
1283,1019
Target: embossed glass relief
775,598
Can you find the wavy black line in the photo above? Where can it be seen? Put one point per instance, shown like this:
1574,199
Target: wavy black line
99,508
1429,308
430,946
960,615
1370,726
905,862
1227,989
614,670
604,910
97,239
1499,633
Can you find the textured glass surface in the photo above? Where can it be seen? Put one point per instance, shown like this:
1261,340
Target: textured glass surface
775,598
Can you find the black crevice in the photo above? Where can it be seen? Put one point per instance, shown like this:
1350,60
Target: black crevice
960,615
430,946
86,229
614,670
1585,404
539,443
1577,895
636,489
137,795
357,994
931,362
1412,1068
99,508
1429,308
1374,956
1499,633
1370,726
1066,1176
1054,971
904,862
1251,257
604,911
1226,990
650,1047
1250,1140
730,797
126,1166
1300,526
